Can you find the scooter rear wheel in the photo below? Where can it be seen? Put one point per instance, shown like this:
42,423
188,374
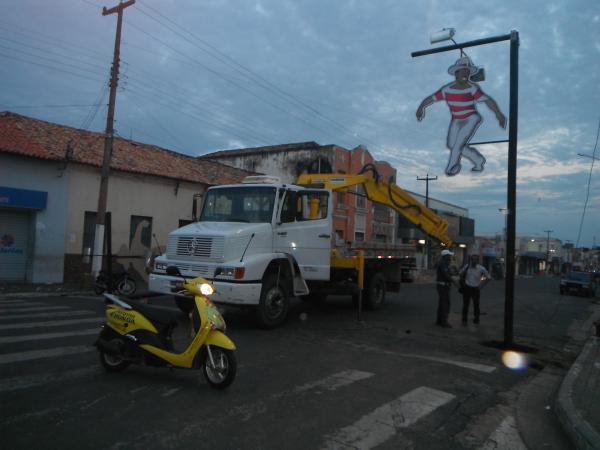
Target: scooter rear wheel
112,363
223,372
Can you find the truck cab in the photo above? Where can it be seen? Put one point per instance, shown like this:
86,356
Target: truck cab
259,242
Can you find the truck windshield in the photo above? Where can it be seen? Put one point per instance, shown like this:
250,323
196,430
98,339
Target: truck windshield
251,204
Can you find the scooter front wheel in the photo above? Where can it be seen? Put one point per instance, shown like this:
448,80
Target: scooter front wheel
222,373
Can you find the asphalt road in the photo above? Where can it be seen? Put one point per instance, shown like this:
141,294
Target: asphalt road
322,380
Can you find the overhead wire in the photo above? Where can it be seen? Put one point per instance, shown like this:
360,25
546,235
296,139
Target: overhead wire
228,79
152,90
250,74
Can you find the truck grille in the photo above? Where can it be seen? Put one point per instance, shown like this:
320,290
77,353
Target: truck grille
205,248
203,271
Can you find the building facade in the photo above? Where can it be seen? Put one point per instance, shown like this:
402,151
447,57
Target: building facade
355,217
49,184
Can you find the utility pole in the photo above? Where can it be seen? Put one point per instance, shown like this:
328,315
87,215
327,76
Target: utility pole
108,139
427,179
548,246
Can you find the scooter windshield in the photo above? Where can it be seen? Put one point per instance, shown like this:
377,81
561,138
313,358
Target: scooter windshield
215,317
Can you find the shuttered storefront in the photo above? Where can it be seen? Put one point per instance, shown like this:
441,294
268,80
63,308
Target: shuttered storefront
15,229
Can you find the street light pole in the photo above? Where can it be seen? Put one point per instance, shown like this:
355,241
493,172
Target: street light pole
548,247
427,179
511,190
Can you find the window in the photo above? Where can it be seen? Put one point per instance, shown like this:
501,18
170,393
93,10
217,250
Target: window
239,204
311,205
361,201
339,234
288,212
359,236
89,232
140,235
340,199
381,238
381,213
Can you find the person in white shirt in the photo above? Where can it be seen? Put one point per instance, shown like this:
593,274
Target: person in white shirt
473,278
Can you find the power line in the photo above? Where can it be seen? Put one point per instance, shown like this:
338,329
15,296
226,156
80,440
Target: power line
45,106
253,76
48,51
228,80
48,67
587,195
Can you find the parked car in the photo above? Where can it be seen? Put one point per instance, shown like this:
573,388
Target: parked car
579,282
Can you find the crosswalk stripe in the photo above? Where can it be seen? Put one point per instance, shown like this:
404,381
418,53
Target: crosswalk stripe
335,381
37,308
384,422
46,315
48,353
55,323
330,383
35,337
15,302
30,381
505,437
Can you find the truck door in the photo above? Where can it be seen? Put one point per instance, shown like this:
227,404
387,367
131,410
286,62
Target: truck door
303,229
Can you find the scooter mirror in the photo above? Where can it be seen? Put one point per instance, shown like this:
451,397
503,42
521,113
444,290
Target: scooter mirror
173,271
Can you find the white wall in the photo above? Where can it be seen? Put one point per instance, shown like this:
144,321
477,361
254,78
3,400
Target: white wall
47,263
128,194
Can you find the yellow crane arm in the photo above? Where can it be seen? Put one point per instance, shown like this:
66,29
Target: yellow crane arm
389,194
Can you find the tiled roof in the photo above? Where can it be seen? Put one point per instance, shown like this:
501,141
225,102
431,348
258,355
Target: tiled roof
26,136
311,145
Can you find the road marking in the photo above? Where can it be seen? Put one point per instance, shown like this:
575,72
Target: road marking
47,315
335,381
505,437
330,383
26,382
17,303
37,308
463,364
48,353
170,392
36,337
384,422
466,365
55,323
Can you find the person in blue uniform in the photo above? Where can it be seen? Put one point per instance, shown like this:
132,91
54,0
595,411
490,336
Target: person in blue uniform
444,282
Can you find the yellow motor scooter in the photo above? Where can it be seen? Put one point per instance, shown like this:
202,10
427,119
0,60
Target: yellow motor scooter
141,334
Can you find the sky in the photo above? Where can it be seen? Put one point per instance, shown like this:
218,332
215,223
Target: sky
201,76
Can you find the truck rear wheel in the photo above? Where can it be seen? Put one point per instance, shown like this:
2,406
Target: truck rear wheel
274,303
375,291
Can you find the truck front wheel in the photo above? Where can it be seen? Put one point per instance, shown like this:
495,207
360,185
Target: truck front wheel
375,291
274,303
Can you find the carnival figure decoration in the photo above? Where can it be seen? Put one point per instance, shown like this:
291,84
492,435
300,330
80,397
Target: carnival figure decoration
461,96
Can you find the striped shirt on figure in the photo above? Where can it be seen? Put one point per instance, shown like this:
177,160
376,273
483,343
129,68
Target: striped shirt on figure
460,101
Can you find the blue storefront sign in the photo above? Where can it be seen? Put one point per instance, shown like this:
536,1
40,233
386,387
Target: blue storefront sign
23,198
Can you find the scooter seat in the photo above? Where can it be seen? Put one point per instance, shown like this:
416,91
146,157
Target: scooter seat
158,315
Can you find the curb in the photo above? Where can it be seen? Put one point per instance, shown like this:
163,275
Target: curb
579,430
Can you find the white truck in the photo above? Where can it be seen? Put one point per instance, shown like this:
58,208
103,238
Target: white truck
261,242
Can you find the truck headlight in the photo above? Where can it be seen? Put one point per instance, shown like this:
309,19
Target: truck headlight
160,266
231,272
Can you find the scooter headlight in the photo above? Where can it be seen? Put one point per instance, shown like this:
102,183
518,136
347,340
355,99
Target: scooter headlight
206,288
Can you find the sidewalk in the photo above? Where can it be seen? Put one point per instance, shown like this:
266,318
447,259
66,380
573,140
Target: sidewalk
578,401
